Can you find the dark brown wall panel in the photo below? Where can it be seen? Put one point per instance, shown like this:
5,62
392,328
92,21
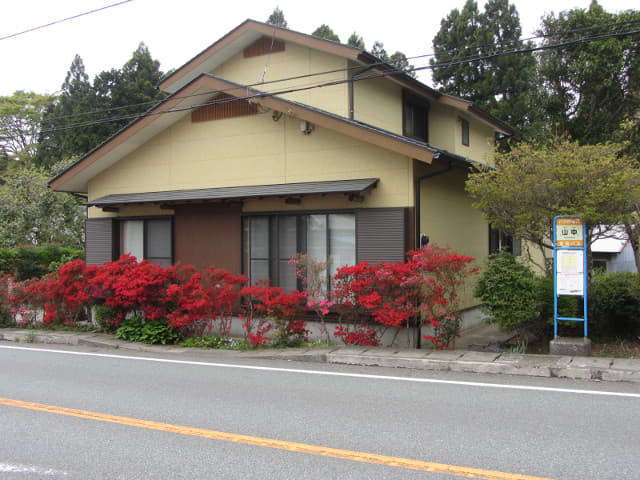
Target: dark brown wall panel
207,235
264,46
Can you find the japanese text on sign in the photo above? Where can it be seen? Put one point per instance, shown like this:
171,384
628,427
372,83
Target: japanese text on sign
569,232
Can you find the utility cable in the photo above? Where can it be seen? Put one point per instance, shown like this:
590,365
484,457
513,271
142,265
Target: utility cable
348,69
385,73
33,29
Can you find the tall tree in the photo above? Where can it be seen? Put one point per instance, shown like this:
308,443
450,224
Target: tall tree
325,31
473,60
20,116
356,40
277,18
398,59
64,131
85,114
591,87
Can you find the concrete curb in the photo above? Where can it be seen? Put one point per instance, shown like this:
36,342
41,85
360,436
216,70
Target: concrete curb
464,361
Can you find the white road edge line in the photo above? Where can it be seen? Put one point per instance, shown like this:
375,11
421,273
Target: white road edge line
331,374
17,468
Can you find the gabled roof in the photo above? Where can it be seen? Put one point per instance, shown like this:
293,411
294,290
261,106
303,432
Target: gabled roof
249,31
197,93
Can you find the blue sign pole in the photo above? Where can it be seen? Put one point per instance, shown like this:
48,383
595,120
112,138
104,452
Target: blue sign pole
569,265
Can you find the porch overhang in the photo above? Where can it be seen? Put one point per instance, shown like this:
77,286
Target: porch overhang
355,190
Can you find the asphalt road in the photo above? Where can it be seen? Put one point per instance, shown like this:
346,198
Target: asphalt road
104,414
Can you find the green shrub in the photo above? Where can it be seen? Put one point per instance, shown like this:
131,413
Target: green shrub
509,291
29,262
105,317
135,329
568,306
614,306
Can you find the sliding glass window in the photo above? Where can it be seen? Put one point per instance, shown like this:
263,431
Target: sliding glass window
271,241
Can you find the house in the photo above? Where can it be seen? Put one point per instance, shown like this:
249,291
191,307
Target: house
613,252
273,142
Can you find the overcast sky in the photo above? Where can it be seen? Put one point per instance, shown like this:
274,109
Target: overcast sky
176,31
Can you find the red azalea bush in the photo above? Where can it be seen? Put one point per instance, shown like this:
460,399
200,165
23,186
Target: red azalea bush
284,310
131,287
253,313
203,301
371,298
63,296
367,299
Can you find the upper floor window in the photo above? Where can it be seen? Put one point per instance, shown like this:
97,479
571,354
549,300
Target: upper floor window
465,131
415,117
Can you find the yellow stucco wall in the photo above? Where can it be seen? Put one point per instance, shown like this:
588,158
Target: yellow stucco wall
481,140
447,217
378,102
255,150
442,126
294,61
445,131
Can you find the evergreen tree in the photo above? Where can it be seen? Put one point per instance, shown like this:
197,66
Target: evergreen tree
325,31
472,61
398,59
277,18
356,41
85,114
591,87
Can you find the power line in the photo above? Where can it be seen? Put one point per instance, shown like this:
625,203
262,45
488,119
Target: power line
452,62
33,29
356,67
526,49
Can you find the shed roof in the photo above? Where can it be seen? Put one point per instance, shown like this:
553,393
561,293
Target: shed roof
357,187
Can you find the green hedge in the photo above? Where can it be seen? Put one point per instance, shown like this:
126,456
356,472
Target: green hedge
614,306
517,300
29,262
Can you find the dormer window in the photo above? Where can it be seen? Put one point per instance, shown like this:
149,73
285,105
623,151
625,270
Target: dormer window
415,117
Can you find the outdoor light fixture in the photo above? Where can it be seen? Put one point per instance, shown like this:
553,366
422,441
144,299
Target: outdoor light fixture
306,127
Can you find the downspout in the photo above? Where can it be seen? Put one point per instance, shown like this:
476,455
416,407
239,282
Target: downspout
418,183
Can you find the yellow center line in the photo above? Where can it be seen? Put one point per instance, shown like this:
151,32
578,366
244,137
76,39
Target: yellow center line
466,472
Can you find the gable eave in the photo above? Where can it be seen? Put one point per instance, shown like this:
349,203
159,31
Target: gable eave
237,40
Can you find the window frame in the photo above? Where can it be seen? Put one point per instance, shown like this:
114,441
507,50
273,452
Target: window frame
410,104
500,241
301,239
465,132
145,235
